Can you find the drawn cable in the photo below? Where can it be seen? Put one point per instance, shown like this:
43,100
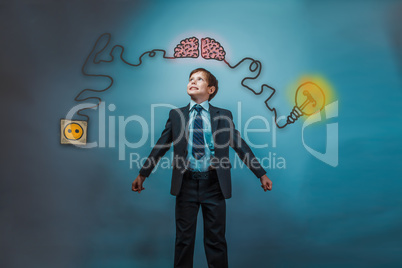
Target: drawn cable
254,66
151,54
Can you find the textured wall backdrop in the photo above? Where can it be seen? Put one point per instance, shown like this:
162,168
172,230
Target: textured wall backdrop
63,206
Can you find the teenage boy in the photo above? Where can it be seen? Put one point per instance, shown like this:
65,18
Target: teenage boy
201,135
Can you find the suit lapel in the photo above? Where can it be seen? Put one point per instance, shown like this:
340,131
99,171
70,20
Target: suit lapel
214,113
186,112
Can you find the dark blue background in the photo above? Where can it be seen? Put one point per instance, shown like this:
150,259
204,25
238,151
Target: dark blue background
63,206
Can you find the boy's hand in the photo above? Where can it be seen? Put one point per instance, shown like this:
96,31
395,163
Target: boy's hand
137,184
266,183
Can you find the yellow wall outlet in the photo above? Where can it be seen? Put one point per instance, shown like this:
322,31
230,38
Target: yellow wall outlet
73,132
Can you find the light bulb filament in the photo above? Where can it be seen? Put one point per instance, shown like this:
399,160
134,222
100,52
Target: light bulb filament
309,99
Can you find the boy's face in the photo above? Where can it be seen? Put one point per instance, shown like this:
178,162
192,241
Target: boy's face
198,88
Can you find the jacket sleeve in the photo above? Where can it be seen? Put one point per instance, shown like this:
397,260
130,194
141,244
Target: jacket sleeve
160,148
244,151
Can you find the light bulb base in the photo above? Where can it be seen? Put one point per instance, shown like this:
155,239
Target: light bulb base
294,115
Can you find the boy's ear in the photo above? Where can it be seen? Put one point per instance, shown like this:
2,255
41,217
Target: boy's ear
211,89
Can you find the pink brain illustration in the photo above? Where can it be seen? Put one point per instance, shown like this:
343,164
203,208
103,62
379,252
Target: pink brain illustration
211,49
188,48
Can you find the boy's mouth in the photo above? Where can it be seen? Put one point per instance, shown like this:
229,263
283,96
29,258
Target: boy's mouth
193,88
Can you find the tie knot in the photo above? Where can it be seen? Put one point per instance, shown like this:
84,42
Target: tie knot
198,108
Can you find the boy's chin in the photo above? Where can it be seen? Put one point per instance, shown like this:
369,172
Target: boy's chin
196,97
193,94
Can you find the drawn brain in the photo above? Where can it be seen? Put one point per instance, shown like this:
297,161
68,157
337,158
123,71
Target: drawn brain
188,48
211,49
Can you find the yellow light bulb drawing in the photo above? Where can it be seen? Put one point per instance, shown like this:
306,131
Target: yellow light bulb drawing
310,99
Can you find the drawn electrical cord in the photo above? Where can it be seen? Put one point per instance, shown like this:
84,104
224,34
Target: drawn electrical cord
309,96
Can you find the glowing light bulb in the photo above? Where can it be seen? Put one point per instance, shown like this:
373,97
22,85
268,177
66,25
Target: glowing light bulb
309,99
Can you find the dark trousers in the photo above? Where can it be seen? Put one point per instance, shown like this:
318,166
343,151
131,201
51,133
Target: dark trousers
207,193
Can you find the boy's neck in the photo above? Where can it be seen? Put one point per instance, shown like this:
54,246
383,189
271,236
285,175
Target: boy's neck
198,101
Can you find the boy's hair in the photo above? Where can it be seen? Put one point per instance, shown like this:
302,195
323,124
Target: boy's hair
211,80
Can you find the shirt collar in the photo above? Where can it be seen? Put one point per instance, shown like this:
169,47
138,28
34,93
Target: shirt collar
205,105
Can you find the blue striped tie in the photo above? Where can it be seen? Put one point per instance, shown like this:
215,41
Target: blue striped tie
198,135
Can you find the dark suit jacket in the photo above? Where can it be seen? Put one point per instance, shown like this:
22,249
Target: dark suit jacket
224,135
